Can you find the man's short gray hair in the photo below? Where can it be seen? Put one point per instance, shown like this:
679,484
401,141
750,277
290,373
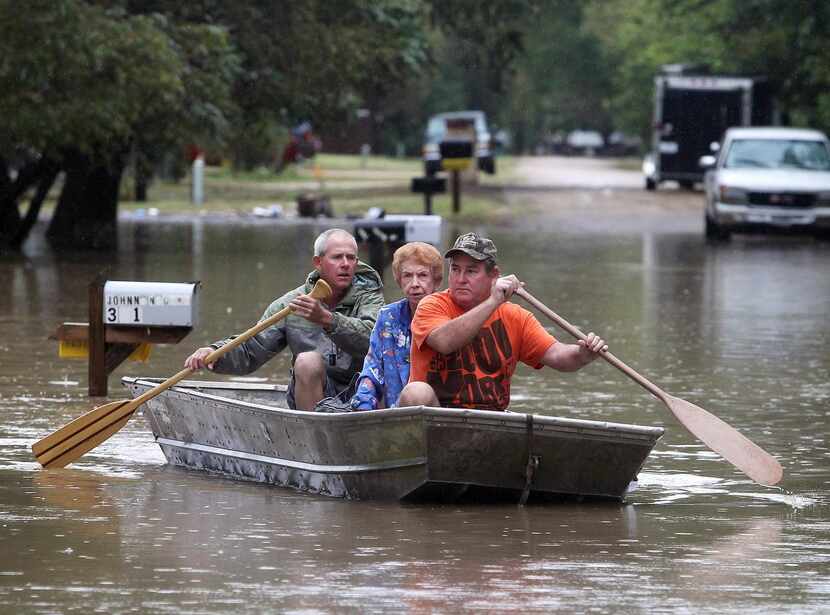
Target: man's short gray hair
321,243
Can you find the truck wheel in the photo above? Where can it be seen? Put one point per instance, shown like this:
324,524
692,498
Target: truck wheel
714,231
650,184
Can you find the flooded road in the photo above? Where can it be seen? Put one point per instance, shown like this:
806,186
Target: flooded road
740,329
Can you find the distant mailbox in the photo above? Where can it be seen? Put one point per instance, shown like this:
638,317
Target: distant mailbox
420,228
399,228
458,146
158,304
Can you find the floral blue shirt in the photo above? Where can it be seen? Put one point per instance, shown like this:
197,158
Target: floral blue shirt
386,366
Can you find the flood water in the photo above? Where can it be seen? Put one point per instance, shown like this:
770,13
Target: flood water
740,329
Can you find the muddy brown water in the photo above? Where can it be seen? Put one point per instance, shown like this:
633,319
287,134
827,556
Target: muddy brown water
740,329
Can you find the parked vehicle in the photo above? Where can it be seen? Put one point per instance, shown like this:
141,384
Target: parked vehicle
768,178
621,144
456,139
691,110
584,143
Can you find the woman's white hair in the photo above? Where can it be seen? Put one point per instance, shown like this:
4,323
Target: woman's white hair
321,243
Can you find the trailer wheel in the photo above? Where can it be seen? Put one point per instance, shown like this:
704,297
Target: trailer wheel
650,184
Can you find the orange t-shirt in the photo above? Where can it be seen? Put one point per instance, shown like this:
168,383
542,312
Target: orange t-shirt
478,374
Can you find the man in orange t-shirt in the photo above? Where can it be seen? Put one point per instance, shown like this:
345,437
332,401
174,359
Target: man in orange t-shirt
468,339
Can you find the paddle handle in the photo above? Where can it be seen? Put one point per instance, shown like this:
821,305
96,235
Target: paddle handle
321,290
644,382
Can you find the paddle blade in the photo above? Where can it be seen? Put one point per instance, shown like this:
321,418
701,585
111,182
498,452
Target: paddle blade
727,442
321,290
75,452
68,443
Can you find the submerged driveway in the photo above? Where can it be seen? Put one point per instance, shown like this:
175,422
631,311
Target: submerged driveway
571,172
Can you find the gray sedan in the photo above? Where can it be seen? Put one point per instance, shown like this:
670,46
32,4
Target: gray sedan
768,178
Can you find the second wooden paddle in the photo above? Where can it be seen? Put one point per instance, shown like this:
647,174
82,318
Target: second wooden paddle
723,439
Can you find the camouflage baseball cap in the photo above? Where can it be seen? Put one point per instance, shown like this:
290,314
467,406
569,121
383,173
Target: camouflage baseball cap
473,244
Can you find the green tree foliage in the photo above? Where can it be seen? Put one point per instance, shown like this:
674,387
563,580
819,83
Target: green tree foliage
84,85
483,40
313,60
79,86
633,53
786,41
472,49
77,76
562,82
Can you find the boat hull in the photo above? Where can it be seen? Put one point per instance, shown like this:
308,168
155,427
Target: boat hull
244,431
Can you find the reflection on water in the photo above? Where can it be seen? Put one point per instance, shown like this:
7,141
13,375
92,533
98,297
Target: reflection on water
739,329
176,540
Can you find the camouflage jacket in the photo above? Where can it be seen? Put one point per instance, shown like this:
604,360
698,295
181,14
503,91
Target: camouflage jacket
343,347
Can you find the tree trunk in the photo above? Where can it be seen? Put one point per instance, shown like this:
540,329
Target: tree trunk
86,216
141,182
15,228
48,178
9,214
143,170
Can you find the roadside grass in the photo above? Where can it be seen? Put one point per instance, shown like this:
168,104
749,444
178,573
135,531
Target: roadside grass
321,165
353,184
259,174
339,164
630,164
370,163
174,199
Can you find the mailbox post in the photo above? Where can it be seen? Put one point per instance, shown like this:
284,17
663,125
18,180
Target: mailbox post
456,191
457,151
97,342
124,315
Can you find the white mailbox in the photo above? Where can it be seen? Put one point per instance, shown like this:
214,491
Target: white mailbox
399,228
420,227
157,304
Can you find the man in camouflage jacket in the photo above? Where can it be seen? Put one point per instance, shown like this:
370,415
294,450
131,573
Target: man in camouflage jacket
328,340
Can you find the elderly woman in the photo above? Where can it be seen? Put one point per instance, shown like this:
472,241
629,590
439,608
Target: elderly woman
418,269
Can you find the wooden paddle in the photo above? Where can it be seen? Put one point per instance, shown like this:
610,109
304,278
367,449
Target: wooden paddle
87,431
736,448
